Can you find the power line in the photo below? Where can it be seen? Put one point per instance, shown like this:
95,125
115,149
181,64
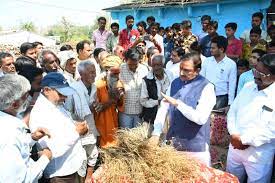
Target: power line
57,6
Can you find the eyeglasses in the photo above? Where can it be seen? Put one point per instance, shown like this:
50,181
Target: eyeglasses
258,73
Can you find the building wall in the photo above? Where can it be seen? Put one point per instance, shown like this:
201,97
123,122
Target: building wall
238,11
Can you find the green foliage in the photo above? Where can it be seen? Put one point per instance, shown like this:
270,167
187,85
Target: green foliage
28,26
73,33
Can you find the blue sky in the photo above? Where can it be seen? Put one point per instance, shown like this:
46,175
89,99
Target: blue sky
47,12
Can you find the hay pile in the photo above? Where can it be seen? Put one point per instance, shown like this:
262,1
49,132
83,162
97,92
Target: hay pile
135,160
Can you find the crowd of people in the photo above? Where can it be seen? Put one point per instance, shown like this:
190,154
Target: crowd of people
209,96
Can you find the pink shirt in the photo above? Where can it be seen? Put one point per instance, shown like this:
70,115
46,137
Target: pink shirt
100,39
235,48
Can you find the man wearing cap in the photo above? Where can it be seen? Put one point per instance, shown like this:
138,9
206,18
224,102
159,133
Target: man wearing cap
110,100
48,112
68,64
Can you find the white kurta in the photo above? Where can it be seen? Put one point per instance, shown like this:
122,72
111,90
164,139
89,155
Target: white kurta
252,116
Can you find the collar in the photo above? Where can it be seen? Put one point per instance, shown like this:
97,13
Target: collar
70,74
190,81
270,90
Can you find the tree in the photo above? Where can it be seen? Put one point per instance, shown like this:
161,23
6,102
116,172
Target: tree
28,26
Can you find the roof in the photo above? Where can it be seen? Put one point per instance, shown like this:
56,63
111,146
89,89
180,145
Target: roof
142,4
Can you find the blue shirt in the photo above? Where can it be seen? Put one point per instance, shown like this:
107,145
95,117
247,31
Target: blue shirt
168,47
245,78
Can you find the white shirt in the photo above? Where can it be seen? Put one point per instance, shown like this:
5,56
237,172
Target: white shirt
255,124
222,74
199,115
246,34
68,154
159,40
162,86
15,147
174,69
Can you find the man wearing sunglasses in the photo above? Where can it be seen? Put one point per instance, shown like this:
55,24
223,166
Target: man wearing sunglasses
251,124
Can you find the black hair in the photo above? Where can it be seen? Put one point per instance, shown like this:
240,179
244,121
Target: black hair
243,63
97,51
101,18
129,17
180,51
269,61
150,18
168,29
4,55
25,47
213,24
231,25
194,57
221,42
36,43
258,14
272,27
186,24
23,61
150,51
260,52
142,24
195,47
80,45
176,26
256,30
205,17
115,25
66,47
132,54
30,72
155,24
161,28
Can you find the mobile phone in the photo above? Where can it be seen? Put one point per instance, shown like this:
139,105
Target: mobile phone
146,38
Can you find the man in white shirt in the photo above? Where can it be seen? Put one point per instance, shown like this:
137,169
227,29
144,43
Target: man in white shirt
15,142
48,112
84,51
174,64
251,124
6,64
222,72
189,101
155,39
157,80
257,19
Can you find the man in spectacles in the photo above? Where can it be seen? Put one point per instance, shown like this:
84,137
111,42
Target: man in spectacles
251,124
248,75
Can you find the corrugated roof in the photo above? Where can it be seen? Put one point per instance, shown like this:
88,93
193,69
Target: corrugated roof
139,4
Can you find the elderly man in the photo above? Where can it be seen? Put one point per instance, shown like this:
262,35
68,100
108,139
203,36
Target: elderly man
6,64
49,62
110,101
156,82
131,74
15,142
68,64
48,112
192,99
252,128
80,105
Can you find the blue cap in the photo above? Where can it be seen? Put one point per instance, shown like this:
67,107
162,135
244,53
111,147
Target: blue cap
57,81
